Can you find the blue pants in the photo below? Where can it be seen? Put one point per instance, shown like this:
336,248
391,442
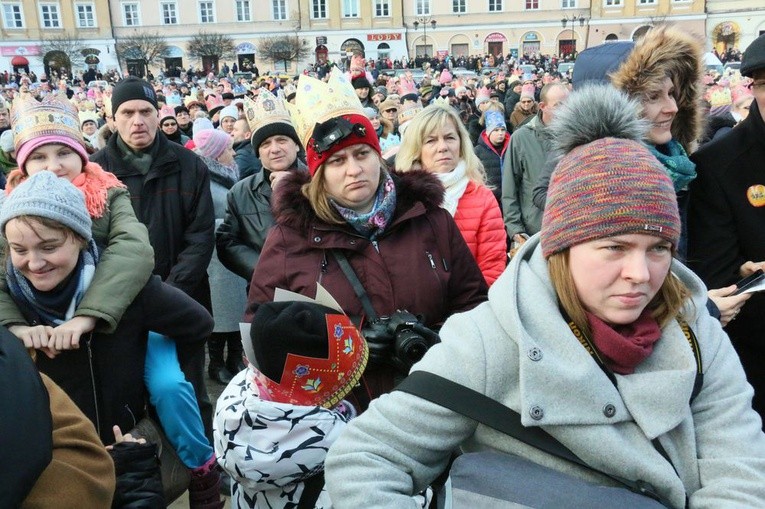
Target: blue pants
176,404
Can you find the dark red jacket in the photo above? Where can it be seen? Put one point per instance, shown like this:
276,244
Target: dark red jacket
421,263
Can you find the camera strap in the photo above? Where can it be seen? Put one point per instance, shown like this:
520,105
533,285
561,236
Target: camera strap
345,266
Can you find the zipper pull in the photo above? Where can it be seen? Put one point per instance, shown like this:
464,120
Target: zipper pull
430,258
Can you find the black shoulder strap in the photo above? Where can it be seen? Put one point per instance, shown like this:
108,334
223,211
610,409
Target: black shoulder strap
481,408
311,490
345,266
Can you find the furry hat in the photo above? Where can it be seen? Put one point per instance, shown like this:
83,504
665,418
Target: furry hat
667,51
606,182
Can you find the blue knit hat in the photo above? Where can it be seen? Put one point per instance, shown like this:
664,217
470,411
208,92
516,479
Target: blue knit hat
46,195
494,120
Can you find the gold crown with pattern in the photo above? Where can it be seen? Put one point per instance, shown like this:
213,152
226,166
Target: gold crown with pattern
316,102
265,109
54,115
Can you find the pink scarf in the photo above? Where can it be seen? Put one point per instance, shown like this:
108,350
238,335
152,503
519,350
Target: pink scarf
625,346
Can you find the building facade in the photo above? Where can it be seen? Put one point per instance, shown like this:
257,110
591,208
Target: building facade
36,34
734,24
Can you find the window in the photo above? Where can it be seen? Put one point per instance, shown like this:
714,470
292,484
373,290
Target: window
496,5
12,16
243,10
459,7
319,9
568,4
169,13
382,8
613,3
130,15
531,4
422,8
350,8
206,12
646,2
86,15
280,9
49,17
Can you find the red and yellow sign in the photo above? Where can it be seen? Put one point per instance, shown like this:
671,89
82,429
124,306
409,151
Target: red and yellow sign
383,37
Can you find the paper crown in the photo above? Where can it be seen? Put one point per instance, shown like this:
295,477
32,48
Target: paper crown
192,99
55,115
213,102
265,109
166,111
88,116
409,111
316,102
719,96
406,87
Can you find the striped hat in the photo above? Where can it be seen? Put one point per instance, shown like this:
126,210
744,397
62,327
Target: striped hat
608,187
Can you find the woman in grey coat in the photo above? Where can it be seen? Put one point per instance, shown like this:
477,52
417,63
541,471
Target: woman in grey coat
601,266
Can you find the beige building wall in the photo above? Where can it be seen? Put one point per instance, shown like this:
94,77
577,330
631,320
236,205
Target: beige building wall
23,27
734,23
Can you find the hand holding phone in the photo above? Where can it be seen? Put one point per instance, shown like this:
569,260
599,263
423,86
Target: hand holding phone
749,281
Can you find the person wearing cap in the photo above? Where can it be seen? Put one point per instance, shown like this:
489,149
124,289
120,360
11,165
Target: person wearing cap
438,143
228,117
185,123
527,153
725,216
170,126
272,428
584,337
492,147
406,250
170,191
241,235
525,108
227,290
52,261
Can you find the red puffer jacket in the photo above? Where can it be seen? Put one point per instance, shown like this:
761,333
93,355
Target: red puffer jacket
480,221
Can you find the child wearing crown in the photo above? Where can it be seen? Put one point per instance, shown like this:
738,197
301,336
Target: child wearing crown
47,137
276,420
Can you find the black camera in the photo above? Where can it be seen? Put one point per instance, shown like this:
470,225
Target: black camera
399,340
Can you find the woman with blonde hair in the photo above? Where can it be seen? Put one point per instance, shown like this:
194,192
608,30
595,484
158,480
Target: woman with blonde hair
438,143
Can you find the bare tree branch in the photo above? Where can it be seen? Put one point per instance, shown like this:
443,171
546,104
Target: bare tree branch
283,48
213,45
63,50
150,48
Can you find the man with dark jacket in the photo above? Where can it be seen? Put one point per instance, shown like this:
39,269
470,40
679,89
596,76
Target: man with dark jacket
248,218
170,190
247,161
726,217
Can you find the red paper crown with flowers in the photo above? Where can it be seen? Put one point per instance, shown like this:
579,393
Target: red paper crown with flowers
309,381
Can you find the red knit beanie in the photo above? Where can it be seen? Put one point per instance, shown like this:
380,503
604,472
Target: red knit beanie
336,134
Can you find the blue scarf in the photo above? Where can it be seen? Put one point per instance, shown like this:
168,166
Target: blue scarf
58,305
679,167
372,224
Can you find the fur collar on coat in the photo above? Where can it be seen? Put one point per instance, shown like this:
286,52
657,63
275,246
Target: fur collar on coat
667,51
292,208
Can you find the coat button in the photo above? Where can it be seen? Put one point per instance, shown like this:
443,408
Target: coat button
536,413
535,354
609,410
352,242
317,239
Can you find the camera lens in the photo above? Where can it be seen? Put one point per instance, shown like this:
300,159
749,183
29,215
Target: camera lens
410,346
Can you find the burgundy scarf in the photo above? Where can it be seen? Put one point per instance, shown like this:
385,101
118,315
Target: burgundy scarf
624,347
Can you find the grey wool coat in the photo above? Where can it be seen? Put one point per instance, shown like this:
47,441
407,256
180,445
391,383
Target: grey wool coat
401,443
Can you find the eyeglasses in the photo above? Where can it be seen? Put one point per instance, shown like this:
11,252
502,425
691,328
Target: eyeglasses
756,85
169,124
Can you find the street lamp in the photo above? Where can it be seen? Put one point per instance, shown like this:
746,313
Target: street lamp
573,19
424,22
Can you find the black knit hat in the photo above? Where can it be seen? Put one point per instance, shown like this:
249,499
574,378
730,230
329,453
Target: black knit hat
754,57
361,82
133,88
308,353
181,108
273,129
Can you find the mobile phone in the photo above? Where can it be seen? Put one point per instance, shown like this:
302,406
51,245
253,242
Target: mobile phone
748,281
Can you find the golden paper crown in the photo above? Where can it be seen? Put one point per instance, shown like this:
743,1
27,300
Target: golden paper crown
408,112
317,102
84,116
55,115
265,109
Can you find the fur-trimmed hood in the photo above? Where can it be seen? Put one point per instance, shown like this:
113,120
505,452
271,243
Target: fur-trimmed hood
667,51
292,208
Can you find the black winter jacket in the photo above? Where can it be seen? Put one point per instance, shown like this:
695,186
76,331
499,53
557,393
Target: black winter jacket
173,200
247,160
492,164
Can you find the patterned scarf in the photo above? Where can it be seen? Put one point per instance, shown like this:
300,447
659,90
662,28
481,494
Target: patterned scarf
455,182
679,167
372,224
56,306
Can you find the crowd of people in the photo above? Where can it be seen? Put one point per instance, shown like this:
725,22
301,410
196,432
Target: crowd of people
569,246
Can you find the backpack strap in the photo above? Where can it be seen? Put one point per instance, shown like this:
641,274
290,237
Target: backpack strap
311,490
492,413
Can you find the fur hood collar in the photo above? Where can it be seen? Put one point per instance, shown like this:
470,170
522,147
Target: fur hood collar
667,51
291,208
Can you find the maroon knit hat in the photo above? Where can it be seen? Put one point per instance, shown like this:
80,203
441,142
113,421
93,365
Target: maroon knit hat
336,134
608,187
